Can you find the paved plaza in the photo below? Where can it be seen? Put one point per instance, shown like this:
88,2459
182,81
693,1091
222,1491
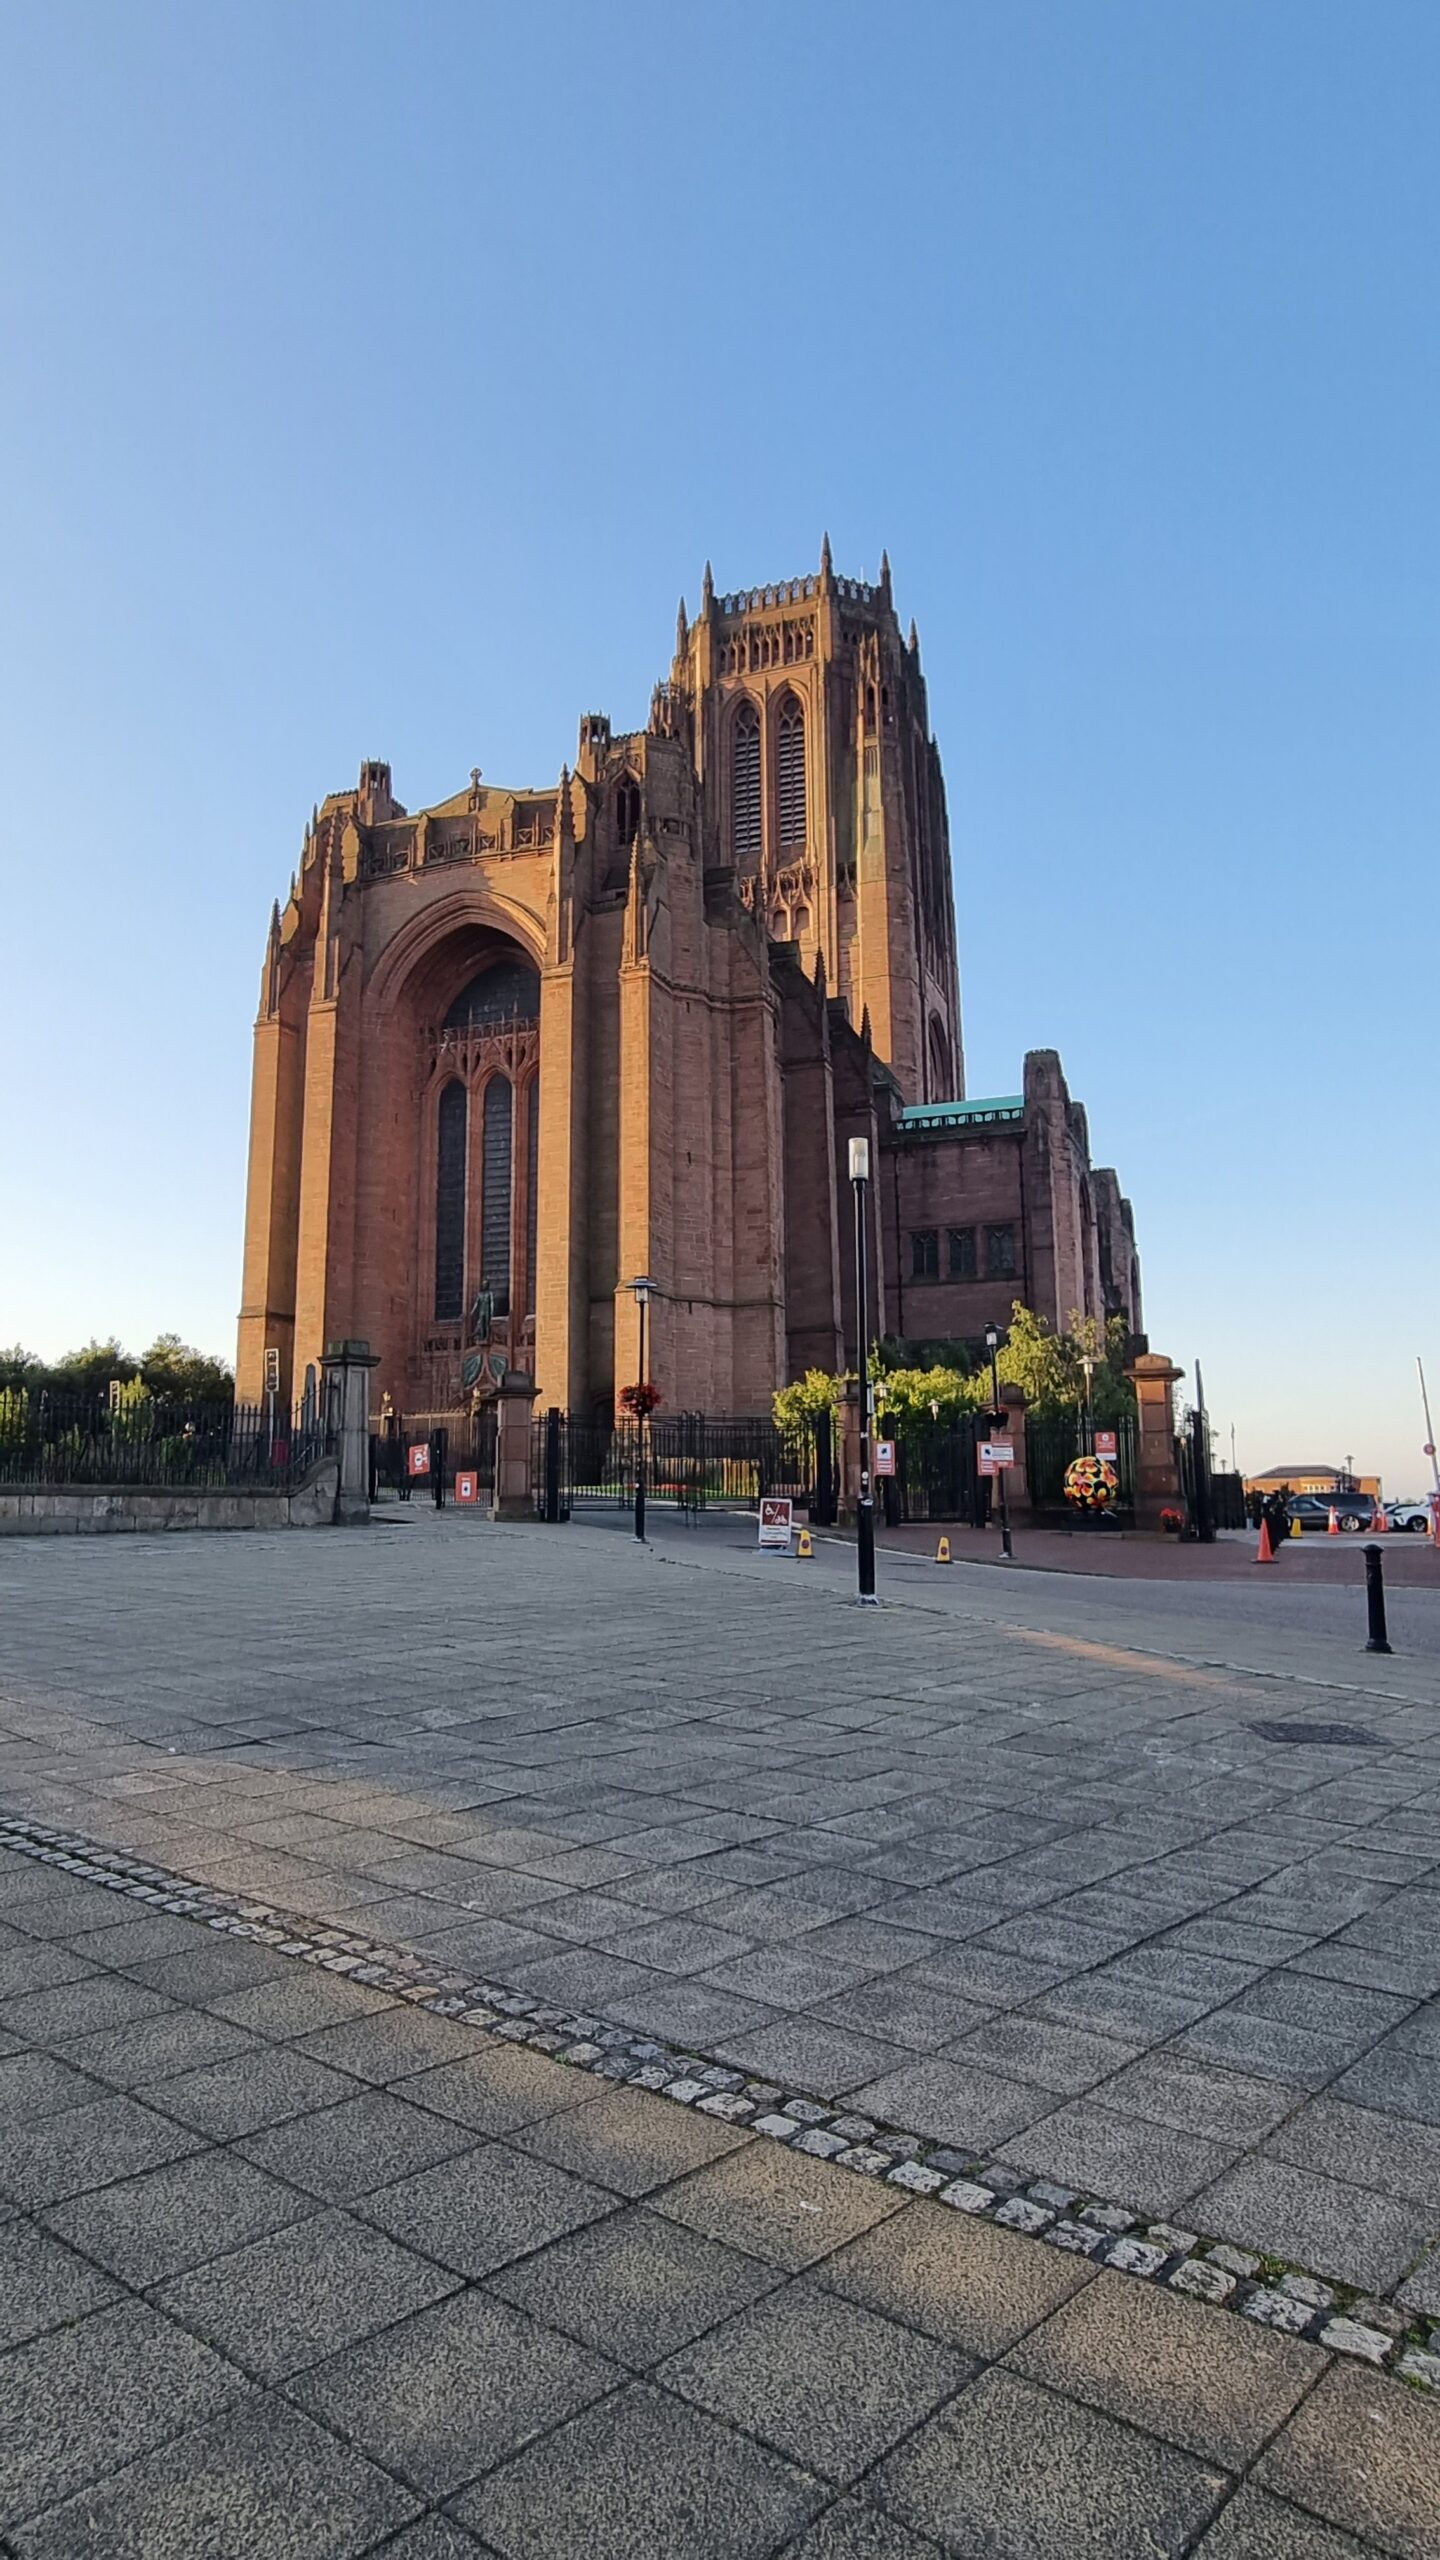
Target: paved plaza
1052,2017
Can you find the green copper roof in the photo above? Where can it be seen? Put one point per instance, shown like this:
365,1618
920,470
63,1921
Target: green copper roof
961,1115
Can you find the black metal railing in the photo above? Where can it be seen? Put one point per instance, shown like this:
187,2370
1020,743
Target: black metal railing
692,1461
461,1442
1053,1439
49,1440
936,1473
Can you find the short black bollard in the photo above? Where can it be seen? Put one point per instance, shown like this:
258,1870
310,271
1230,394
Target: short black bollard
1376,1641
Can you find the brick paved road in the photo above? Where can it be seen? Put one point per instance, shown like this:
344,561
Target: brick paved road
293,2271
1010,1890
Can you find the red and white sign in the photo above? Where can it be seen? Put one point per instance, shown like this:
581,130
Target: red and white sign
776,1520
884,1457
417,1458
1107,1445
995,1455
467,1488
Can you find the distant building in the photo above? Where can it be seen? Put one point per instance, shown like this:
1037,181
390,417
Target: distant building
1312,1480
520,1046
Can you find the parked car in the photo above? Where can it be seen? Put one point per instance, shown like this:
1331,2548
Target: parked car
1414,1516
1352,1510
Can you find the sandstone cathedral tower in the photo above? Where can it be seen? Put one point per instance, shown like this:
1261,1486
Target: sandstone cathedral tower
517,1048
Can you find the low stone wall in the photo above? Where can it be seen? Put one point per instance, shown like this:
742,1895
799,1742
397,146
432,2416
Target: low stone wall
88,1511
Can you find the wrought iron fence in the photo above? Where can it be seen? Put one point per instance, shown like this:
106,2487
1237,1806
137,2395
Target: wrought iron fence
48,1440
1227,1500
692,1461
460,1442
1053,1439
936,1474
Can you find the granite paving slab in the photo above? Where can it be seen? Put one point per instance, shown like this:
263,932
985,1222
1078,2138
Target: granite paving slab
637,2286
641,2473
1016,2473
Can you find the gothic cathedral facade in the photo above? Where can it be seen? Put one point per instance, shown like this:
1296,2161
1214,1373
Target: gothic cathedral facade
517,1049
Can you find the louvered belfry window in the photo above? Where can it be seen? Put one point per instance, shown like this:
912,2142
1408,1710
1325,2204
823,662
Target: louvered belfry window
495,1193
450,1204
745,786
790,775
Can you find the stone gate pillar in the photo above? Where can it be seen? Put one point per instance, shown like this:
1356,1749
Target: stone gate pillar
345,1370
1157,1469
512,1497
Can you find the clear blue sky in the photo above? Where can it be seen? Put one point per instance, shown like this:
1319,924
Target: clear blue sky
377,372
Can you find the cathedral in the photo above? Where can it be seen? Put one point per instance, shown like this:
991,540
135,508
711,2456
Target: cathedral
516,1050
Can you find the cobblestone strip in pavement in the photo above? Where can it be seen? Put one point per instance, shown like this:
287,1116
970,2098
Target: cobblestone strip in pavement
1271,2292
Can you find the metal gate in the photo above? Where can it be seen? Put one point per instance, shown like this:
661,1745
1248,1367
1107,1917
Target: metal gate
936,1475
460,1442
1053,1439
692,1461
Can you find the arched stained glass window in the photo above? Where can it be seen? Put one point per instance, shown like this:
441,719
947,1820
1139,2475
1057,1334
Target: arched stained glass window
745,786
790,774
496,1159
508,991
452,1122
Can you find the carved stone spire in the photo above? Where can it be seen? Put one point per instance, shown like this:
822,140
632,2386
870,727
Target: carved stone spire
682,631
707,590
636,921
914,640
270,973
559,905
885,575
826,569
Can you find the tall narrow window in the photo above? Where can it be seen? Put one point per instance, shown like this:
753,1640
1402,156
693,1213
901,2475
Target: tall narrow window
790,774
1000,1253
495,1193
450,1205
532,1188
745,786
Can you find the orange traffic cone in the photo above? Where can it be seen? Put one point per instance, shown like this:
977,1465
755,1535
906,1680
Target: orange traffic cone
1379,1518
1265,1554
1334,1523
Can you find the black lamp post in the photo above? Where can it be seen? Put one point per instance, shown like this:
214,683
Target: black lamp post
642,1289
865,1508
997,1416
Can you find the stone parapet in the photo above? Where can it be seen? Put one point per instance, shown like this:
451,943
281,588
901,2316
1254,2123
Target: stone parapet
93,1511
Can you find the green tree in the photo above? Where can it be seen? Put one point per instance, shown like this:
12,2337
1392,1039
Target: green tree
172,1368
20,1368
1049,1367
914,1397
88,1371
795,1407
